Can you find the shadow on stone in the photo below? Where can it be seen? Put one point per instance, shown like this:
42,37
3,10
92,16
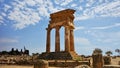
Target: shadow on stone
41,64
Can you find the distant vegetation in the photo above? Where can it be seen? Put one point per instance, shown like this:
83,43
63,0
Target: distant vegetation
97,50
108,53
15,52
118,51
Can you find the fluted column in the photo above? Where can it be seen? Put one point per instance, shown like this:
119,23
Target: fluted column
71,40
48,40
57,40
67,39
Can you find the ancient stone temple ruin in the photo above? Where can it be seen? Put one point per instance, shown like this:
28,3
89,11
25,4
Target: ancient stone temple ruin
60,19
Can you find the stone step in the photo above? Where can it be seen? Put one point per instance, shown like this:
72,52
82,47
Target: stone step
58,55
74,55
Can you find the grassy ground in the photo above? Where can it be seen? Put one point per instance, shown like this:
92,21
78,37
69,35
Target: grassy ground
114,62
20,66
15,66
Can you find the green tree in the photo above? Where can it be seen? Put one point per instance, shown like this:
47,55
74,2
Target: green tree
97,50
118,51
108,53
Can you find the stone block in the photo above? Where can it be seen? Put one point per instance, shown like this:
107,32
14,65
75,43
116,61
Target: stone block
40,64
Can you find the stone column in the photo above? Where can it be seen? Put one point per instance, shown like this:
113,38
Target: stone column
97,60
48,40
67,39
57,40
71,40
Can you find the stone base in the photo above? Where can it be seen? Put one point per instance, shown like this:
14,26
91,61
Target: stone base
58,56
111,66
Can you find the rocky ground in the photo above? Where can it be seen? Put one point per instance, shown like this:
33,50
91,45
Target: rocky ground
114,61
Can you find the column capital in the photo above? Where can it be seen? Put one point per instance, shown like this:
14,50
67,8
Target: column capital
66,26
48,28
58,27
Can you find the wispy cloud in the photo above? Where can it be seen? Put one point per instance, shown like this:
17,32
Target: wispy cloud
6,7
97,27
84,45
106,37
83,41
63,2
102,37
107,27
79,28
82,17
107,9
73,5
24,13
8,40
1,20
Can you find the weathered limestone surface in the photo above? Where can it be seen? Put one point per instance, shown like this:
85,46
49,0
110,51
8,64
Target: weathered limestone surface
48,41
97,60
71,40
41,64
111,66
57,20
62,18
57,40
67,39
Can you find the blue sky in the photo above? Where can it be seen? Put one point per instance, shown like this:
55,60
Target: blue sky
23,23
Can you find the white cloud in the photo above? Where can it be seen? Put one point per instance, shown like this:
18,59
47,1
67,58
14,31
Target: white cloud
83,41
107,27
107,9
3,14
106,37
43,11
99,39
30,2
63,2
90,3
100,1
79,28
87,5
23,19
24,15
8,40
82,17
102,37
81,1
80,8
1,20
6,7
84,45
97,28
73,5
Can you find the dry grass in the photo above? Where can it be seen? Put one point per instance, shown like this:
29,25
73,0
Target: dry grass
115,61
15,66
